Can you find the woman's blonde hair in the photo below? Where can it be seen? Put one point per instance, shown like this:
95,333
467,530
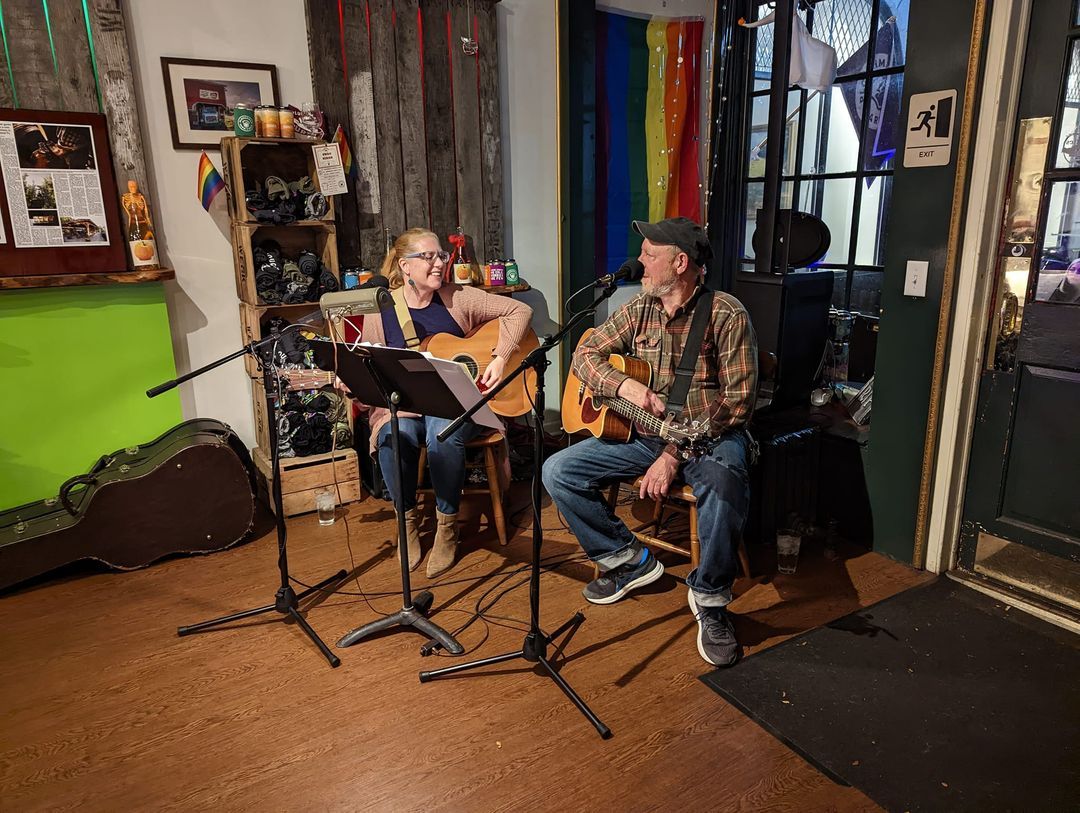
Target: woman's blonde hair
407,243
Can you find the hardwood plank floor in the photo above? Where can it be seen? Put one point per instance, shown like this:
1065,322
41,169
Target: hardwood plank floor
105,708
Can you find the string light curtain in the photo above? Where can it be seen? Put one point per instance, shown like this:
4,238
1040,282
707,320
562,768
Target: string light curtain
648,74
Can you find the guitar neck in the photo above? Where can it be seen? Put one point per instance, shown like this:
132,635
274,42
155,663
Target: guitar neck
638,415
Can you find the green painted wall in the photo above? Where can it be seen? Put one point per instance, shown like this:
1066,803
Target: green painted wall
74,367
938,43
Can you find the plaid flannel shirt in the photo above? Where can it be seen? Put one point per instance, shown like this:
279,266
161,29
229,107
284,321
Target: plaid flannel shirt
724,386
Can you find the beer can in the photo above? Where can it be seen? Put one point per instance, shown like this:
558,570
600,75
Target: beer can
287,122
513,275
267,123
497,273
243,121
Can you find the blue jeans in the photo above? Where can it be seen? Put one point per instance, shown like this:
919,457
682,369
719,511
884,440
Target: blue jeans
445,460
576,476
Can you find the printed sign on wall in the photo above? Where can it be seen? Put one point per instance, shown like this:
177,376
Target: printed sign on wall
930,129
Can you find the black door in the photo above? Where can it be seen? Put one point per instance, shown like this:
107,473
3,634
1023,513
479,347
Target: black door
1023,485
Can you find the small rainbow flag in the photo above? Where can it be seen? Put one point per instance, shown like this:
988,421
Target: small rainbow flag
347,162
210,183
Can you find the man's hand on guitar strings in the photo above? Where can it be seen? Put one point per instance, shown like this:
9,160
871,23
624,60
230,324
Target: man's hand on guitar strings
638,394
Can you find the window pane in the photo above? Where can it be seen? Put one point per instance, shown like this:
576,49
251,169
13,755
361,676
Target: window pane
839,290
759,130
1068,152
763,43
873,221
1059,271
866,292
845,25
832,140
832,201
755,190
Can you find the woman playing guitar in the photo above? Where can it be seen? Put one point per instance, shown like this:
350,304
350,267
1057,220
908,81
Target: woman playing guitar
429,305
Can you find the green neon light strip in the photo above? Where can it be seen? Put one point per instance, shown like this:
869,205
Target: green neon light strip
48,28
7,57
93,57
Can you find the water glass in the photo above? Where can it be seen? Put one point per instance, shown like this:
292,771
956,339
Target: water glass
326,505
787,551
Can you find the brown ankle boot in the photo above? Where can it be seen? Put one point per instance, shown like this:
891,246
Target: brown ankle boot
444,551
412,538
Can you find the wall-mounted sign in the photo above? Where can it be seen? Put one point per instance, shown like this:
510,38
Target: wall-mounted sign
930,129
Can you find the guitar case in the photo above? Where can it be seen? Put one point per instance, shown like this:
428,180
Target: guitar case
191,490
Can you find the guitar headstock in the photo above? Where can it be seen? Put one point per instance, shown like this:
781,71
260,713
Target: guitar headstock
692,437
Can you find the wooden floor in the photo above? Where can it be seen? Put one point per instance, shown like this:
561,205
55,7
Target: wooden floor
105,708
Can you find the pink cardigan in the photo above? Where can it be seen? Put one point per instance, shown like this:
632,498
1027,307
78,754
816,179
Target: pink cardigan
470,308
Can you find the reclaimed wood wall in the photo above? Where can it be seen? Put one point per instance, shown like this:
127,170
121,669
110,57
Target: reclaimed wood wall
47,62
421,117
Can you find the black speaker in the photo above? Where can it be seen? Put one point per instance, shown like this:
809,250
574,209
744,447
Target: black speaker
790,314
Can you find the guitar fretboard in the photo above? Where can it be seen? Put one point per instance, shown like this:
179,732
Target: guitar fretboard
646,420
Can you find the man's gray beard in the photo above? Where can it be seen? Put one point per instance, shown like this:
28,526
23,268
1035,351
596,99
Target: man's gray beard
658,291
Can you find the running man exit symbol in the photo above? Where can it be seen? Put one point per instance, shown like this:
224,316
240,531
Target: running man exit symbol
930,129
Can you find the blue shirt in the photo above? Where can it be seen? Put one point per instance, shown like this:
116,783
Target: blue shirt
428,321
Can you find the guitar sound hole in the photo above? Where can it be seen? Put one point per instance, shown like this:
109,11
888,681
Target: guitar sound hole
470,365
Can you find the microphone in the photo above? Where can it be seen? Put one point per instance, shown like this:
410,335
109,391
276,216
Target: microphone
629,271
376,281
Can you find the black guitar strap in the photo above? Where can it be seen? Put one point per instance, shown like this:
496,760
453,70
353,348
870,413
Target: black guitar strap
684,372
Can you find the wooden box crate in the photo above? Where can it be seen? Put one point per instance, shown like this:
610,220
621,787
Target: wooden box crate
255,318
258,411
302,477
320,238
250,161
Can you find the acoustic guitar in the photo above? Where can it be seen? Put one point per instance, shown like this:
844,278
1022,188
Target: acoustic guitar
613,418
474,353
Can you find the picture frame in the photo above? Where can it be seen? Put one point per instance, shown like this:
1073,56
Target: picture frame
200,95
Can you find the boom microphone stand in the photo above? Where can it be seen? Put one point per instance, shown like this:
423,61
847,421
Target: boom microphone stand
534,648
286,601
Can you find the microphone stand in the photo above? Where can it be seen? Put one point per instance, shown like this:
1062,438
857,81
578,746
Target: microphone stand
534,648
286,601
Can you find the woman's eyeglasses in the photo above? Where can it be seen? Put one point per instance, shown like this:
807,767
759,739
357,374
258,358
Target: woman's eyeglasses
429,256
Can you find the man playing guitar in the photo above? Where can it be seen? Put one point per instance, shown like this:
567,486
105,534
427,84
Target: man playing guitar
654,326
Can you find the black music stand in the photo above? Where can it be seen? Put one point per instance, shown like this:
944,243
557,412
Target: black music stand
396,379
286,601
534,648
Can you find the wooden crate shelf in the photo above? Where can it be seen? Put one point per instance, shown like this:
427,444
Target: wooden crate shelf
315,236
303,477
258,411
250,161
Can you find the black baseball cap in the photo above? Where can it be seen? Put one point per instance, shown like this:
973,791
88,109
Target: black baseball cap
678,231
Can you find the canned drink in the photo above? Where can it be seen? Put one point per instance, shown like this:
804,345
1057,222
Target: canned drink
350,279
243,121
513,275
267,123
462,273
497,273
287,123
364,275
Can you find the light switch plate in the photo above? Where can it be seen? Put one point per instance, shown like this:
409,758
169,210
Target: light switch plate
915,279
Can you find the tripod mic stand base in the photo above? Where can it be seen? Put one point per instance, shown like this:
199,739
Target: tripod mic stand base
411,616
286,602
533,650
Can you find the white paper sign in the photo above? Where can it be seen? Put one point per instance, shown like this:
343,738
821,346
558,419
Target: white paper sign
931,117
329,169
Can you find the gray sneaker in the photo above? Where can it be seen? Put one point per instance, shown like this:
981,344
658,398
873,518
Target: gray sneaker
619,581
716,634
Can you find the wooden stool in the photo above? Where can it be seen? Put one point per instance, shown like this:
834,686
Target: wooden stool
680,497
494,447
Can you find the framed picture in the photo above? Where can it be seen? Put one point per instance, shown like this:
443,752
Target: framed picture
59,207
201,94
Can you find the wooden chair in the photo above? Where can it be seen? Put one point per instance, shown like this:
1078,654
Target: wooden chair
680,497
493,445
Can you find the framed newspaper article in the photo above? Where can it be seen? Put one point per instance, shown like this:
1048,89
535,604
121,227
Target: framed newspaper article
59,212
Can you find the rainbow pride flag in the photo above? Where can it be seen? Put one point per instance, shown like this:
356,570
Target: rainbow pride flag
347,162
210,183
648,77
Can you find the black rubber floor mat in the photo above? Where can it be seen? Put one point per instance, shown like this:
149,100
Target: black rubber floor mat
939,698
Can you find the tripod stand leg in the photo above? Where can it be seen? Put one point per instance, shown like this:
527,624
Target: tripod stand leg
225,619
433,630
337,577
604,731
460,667
371,628
306,627
575,621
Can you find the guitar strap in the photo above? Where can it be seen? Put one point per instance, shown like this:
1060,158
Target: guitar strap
401,308
684,372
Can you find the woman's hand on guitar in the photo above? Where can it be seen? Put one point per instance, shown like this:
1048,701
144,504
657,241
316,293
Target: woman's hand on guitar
638,394
493,374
